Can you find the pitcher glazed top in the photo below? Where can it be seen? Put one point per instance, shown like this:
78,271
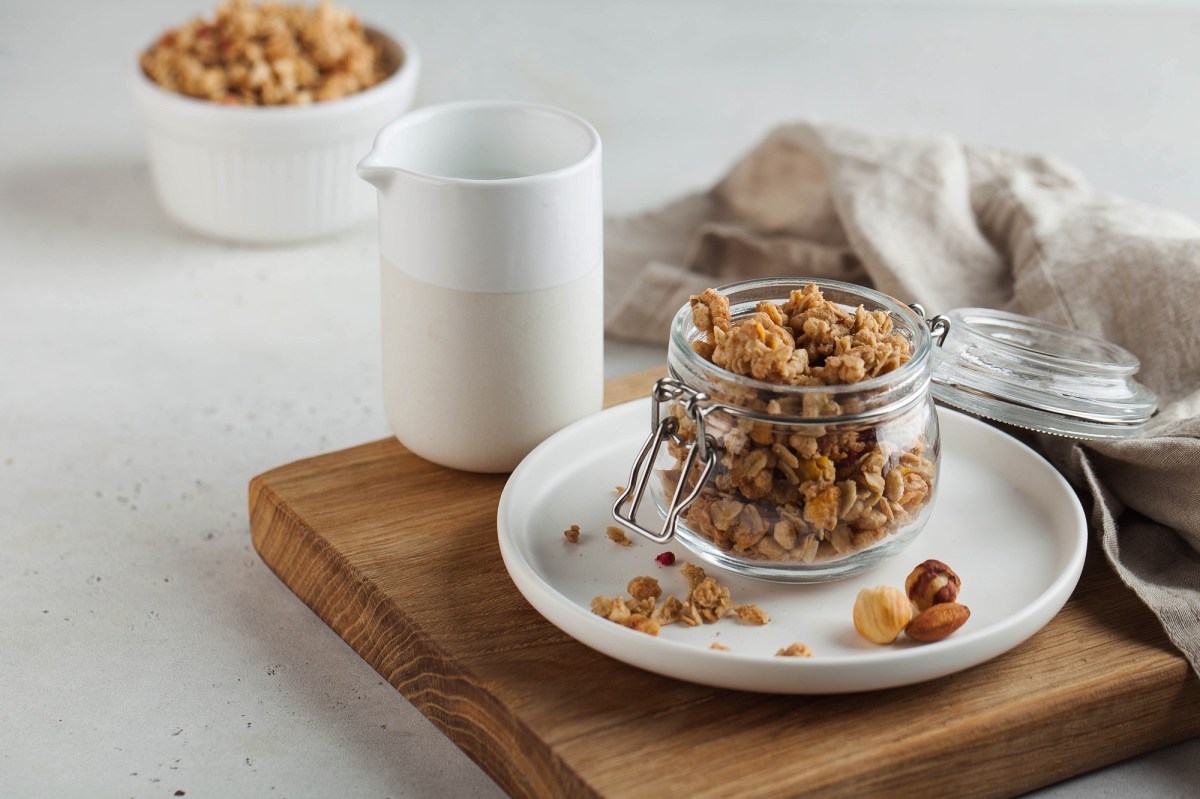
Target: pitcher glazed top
494,197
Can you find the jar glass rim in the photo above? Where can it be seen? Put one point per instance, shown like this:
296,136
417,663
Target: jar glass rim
782,287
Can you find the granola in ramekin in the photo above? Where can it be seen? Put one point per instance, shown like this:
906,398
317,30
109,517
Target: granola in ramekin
270,54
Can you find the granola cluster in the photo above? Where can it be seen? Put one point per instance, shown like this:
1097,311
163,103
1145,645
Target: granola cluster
707,602
806,341
795,650
273,54
617,536
789,492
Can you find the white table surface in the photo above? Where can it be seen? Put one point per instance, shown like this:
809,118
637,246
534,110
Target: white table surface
146,375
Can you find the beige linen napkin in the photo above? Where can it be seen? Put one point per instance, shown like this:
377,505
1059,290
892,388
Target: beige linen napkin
928,219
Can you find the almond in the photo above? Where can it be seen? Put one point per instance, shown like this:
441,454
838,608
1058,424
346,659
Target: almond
937,622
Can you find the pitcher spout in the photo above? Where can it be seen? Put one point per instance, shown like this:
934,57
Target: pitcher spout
372,170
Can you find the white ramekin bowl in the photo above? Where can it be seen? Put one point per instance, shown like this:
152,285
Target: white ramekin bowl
275,173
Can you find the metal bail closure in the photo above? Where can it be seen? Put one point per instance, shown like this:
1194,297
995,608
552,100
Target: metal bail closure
703,448
939,326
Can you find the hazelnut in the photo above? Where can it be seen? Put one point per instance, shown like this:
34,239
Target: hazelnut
881,613
932,583
937,622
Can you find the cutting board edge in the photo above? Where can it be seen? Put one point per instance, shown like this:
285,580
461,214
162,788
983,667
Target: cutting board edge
1163,718
990,757
420,675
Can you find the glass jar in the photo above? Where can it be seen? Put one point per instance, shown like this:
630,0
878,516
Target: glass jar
796,483
804,483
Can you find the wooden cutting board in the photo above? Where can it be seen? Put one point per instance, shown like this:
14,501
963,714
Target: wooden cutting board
400,558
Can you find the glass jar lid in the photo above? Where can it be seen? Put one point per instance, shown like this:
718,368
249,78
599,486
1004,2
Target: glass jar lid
1040,376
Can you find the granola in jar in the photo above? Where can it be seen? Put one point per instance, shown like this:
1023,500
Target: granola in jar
825,432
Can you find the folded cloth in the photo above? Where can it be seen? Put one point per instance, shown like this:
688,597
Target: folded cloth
928,219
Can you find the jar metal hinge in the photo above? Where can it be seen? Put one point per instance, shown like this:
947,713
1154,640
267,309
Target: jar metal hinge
939,326
702,448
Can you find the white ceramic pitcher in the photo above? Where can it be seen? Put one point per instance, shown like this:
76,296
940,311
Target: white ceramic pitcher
491,245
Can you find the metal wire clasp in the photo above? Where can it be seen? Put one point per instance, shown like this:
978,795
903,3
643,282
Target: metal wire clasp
939,326
662,429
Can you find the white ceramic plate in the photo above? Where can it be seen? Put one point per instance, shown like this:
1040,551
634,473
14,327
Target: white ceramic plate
1005,520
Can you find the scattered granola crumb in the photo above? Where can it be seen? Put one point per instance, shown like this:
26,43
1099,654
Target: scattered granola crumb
642,588
711,600
643,624
668,611
707,602
616,609
602,605
620,489
617,535
752,614
665,558
796,650
720,647
694,574
572,534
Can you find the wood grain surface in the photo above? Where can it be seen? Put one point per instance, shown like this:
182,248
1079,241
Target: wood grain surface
400,558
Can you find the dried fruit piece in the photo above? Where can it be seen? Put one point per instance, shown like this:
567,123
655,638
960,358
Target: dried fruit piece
932,583
937,622
665,558
881,613
796,650
572,534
